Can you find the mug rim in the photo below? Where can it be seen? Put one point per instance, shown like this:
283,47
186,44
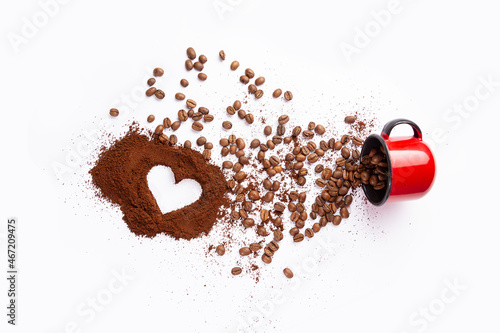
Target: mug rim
389,167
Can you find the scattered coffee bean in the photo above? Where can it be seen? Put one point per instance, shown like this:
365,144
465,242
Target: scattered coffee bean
222,55
260,81
151,118
220,249
255,143
159,129
202,76
244,251
236,271
249,118
252,88
277,93
278,235
191,53
309,233
234,65
189,65
151,91
198,66
244,79
259,93
350,119
184,83
172,140
191,104
158,72
151,81
207,153
288,273
159,94
179,96
298,238
288,96
202,58
197,126
267,259
114,112
187,144
320,129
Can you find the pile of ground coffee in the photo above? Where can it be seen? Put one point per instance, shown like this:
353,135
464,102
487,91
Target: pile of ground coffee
121,175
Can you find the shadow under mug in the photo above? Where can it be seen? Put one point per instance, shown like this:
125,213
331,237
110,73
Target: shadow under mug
411,165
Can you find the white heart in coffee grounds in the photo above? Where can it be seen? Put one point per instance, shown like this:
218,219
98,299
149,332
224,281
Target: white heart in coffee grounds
170,196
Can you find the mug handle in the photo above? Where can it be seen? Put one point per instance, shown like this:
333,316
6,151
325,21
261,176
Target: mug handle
386,131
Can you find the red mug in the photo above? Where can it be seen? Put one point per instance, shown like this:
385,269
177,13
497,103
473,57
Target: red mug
411,166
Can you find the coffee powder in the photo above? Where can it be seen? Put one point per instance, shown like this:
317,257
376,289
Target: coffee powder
121,173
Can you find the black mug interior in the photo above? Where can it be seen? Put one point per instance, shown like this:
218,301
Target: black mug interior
377,197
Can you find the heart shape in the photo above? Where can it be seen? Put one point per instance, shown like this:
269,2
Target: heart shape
169,195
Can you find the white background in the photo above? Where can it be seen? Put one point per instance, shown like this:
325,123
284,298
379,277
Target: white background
387,264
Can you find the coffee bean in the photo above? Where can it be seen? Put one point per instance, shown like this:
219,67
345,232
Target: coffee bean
337,219
278,235
302,197
253,195
350,119
222,54
264,215
208,118
191,53
158,72
182,115
320,129
175,125
220,249
277,93
261,231
298,238
236,271
227,164
244,251
288,95
309,233
159,129
179,96
240,143
151,118
151,81
224,142
344,212
197,126
173,139
249,118
202,76
242,114
207,153
196,116
201,141
159,94
259,93
260,81
345,152
255,143
114,112
189,65
268,130
167,122
296,131
267,259
312,158
234,65
288,273
283,119
151,91
252,88
254,247
268,252
344,139
240,176
357,141
279,207
202,58
191,104
248,223
233,150
244,79
268,197
316,227
198,66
